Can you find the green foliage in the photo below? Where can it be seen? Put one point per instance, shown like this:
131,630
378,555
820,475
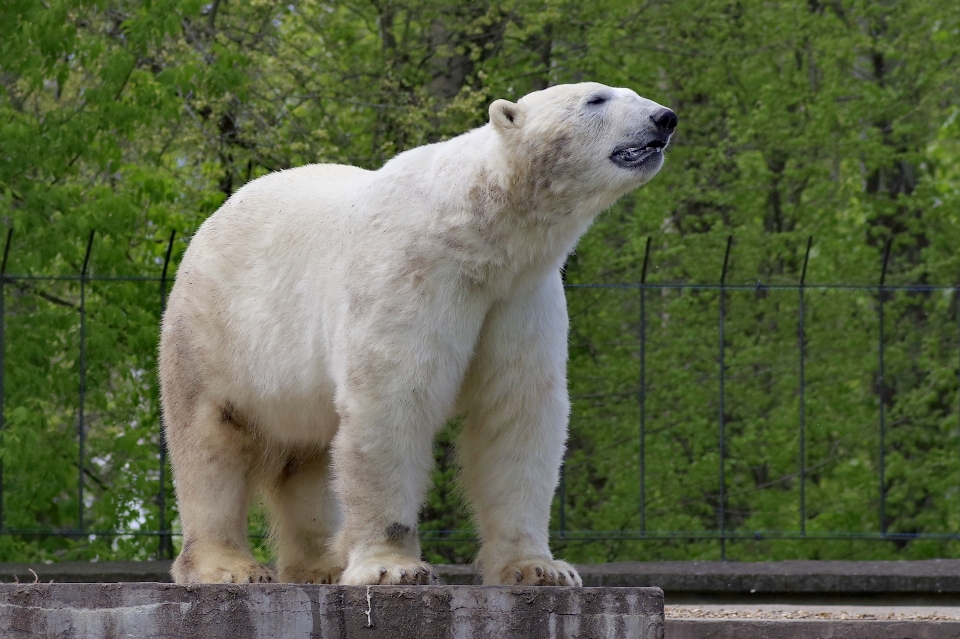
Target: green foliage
831,119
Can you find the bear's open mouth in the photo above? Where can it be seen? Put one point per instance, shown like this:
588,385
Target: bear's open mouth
630,156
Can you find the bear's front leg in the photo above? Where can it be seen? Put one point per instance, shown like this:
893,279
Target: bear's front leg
511,448
381,473
392,400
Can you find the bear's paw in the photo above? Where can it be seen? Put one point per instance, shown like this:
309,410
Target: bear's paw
325,571
537,572
389,570
220,568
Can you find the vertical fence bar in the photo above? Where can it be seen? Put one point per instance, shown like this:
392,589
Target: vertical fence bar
723,449
802,338
83,378
642,398
164,543
882,392
956,294
3,350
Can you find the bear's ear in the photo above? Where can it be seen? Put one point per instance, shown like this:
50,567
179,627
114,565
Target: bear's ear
506,115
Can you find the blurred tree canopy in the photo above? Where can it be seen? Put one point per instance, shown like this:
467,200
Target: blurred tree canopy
836,119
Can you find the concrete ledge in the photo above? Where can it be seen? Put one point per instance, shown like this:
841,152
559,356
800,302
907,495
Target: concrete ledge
287,611
85,572
681,580
809,629
933,576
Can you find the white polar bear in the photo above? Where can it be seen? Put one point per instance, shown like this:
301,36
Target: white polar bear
328,320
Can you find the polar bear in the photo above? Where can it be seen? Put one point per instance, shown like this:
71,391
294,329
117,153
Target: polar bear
327,320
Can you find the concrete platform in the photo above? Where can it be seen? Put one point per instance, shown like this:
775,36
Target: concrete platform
812,599
286,611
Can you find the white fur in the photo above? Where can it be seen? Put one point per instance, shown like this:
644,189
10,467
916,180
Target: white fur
332,313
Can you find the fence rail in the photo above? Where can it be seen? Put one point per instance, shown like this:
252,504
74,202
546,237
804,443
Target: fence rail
724,531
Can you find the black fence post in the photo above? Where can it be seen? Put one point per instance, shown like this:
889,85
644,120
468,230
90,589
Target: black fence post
723,450
642,397
801,338
882,393
3,350
165,542
83,377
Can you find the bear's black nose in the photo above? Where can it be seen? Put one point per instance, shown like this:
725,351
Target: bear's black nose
666,120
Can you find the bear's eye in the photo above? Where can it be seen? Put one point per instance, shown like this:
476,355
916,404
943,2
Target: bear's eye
597,100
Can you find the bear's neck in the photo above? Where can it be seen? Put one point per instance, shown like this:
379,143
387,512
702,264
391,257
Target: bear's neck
503,220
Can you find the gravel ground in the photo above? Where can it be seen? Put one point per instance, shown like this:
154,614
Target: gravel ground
786,611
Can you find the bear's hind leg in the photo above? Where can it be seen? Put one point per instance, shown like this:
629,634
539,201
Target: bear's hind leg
213,455
305,517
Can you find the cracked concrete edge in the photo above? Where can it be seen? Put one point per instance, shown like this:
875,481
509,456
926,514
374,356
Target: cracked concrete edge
809,629
935,576
152,610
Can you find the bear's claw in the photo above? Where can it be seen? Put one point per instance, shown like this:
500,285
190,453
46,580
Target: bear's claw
323,573
251,572
537,572
389,572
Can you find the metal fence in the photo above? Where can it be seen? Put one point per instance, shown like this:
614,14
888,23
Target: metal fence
882,295
630,412
84,279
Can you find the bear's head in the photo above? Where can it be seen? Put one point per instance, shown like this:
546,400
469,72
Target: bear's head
587,138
